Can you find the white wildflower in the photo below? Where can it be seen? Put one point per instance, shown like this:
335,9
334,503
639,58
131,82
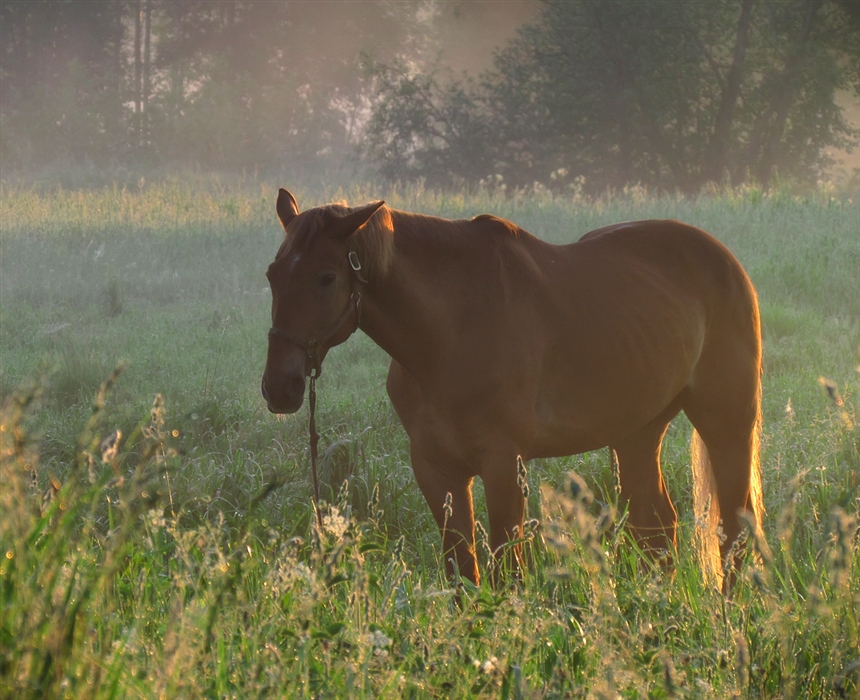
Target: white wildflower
335,524
289,573
491,666
377,641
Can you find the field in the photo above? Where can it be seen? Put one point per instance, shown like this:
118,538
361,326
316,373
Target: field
156,525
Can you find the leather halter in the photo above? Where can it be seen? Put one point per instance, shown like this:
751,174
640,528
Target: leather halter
312,346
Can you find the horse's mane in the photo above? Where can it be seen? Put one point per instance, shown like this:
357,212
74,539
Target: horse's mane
376,244
375,240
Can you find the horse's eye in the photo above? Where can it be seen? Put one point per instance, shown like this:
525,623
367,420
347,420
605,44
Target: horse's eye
327,279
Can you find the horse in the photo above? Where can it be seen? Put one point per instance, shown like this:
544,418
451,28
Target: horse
504,346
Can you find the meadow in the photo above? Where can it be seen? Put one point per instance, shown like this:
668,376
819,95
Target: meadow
157,533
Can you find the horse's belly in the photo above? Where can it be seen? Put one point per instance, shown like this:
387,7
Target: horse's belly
621,361
573,432
584,410
571,429
555,441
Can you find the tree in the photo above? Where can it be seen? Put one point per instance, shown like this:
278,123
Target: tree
225,84
422,129
671,95
60,85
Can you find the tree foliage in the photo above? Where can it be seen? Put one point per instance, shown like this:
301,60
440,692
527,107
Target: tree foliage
672,95
228,84
668,94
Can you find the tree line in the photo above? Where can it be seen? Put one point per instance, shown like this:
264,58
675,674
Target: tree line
672,95
588,94
225,85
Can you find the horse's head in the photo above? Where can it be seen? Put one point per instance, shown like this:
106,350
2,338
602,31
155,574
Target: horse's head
315,282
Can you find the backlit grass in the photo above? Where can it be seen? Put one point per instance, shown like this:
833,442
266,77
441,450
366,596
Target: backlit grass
158,541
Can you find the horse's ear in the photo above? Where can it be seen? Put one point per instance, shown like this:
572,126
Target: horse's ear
346,225
286,207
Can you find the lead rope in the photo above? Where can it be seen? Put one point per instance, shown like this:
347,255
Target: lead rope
313,435
313,439
312,350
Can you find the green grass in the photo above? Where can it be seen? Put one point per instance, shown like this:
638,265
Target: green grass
185,564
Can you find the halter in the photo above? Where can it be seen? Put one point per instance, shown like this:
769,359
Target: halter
312,349
312,346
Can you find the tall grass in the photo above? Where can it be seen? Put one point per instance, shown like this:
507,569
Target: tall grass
166,548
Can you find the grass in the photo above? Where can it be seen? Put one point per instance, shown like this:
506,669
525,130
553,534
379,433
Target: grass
180,560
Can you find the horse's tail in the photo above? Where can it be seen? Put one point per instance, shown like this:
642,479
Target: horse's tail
706,505
756,494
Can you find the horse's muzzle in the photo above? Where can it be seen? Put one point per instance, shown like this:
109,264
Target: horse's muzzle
284,395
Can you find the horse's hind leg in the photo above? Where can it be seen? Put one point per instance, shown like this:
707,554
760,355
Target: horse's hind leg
730,437
651,513
725,410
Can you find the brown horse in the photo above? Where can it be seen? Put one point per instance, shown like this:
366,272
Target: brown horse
503,345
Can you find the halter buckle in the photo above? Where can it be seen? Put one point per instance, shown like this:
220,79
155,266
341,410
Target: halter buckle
355,264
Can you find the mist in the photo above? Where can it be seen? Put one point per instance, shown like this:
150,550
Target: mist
218,85
571,95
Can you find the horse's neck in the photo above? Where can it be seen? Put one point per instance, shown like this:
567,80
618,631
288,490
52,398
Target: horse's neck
403,312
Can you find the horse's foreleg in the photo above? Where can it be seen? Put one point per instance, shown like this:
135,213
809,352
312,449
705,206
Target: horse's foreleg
652,515
450,501
506,508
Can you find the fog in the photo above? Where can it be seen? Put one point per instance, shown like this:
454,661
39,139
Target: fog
156,82
568,94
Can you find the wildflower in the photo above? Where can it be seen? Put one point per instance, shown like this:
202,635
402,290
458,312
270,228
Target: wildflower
155,520
335,524
491,666
289,573
378,642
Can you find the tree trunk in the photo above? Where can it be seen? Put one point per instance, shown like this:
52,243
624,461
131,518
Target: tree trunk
147,31
715,157
117,124
137,75
766,138
631,96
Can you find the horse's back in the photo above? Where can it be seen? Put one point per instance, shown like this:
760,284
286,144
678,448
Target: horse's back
681,252
686,256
